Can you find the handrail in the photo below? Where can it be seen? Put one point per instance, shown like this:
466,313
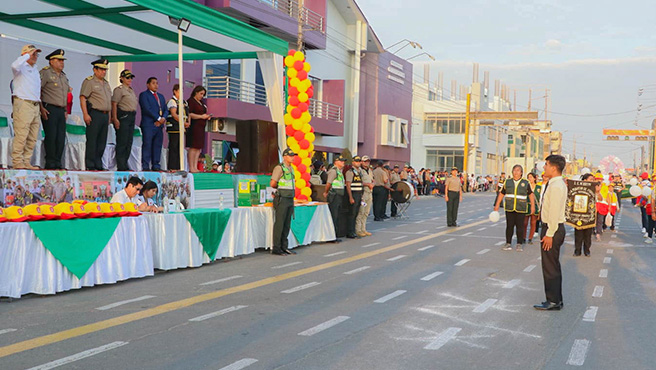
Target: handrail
226,87
329,111
311,19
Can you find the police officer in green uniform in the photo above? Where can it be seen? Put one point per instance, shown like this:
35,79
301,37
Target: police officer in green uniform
96,104
124,112
334,191
518,193
282,179
354,190
54,97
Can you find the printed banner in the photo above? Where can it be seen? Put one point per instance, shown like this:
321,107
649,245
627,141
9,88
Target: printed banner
581,211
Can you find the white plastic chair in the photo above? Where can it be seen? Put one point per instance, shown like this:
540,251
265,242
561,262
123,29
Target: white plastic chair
134,162
76,141
6,139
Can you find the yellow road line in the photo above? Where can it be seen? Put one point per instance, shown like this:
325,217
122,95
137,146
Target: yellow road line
173,306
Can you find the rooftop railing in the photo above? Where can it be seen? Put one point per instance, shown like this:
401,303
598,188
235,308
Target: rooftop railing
311,19
226,87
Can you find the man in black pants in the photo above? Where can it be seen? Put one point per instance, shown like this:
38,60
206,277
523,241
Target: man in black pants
380,192
354,189
553,232
517,192
124,112
334,192
452,196
583,237
54,97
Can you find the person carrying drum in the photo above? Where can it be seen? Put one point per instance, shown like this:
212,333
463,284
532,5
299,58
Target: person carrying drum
394,178
517,192
354,189
453,197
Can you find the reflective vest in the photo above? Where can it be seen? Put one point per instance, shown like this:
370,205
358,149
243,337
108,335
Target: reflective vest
536,192
356,184
516,198
338,183
286,182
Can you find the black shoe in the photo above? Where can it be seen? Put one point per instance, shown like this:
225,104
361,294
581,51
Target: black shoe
587,254
352,236
577,254
378,219
549,306
287,251
278,253
385,217
338,240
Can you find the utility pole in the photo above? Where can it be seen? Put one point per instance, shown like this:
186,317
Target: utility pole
642,158
529,99
299,41
466,146
546,103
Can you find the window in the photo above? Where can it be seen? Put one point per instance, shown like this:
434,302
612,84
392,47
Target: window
443,160
444,123
394,131
404,133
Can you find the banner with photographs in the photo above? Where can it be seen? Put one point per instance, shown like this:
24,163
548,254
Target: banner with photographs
581,210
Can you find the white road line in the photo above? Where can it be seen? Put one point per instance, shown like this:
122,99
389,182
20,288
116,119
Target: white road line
244,362
389,296
224,279
613,236
418,222
334,254
529,268
5,331
422,231
79,356
483,251
370,245
300,287
607,260
286,265
217,313
485,305
465,234
462,262
598,291
326,325
357,270
440,227
609,251
109,306
512,283
432,276
603,273
400,237
500,243
578,352
426,247
482,228
590,314
448,240
396,258
443,338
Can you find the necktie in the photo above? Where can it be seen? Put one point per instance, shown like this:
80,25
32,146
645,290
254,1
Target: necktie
158,103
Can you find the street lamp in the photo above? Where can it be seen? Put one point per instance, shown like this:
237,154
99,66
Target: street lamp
183,25
420,54
414,45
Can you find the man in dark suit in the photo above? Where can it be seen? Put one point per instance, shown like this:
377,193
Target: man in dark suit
153,113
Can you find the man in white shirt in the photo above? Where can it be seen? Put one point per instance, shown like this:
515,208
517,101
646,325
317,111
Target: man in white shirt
26,106
129,194
552,214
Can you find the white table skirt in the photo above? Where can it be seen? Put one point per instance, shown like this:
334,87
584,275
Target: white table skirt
26,266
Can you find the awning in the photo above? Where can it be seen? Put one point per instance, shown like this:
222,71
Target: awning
135,30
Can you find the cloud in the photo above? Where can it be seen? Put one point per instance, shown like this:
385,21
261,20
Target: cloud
553,44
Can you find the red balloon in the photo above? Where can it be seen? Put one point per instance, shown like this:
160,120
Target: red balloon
292,91
306,176
302,75
301,168
301,197
293,100
303,107
298,135
292,52
289,130
296,113
298,65
311,129
309,92
304,144
297,193
297,161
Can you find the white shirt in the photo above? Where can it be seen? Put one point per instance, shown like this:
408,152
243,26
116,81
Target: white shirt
553,204
122,197
27,80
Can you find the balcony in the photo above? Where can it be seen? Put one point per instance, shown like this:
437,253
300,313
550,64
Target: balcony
328,111
226,87
311,19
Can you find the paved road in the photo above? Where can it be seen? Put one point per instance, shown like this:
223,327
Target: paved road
415,295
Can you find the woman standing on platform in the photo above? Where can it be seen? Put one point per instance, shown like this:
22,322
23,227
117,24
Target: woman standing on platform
173,129
199,117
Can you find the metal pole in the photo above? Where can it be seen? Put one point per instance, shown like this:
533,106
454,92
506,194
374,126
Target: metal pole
181,108
466,146
299,41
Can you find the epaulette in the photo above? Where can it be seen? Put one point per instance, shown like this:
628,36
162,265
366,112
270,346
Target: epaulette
89,78
44,68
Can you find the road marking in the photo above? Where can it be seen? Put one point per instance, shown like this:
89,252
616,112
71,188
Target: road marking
485,305
5,331
224,279
512,283
401,225
590,314
370,245
443,338
286,265
357,270
389,296
79,356
482,228
334,254
426,247
483,251
245,362
418,222
613,236
598,291
465,234
609,251
422,231
396,258
440,227
462,262
607,260
217,313
97,326
448,240
432,276
300,287
603,273
500,243
578,352
530,268
110,306
326,325
400,237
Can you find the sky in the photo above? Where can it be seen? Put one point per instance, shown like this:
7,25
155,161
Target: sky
593,56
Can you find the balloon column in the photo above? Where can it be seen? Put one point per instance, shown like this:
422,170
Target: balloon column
300,135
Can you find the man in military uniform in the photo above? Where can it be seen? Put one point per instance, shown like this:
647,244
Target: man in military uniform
96,104
334,192
395,176
365,207
453,197
282,178
354,188
124,111
380,192
518,193
54,97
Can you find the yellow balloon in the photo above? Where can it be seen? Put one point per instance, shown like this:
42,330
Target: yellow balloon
288,119
306,117
297,124
307,162
292,72
306,191
300,183
291,141
295,82
296,148
303,153
297,175
311,148
306,67
309,136
309,199
303,97
307,84
301,87
299,56
289,108
289,61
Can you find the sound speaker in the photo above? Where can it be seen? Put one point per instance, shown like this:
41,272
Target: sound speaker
258,146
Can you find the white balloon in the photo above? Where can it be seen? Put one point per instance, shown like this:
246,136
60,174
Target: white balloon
540,166
633,181
646,191
585,170
635,191
494,216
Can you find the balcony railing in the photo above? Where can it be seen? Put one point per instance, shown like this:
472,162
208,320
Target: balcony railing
329,111
225,87
311,19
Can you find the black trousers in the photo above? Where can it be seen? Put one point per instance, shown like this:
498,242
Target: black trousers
553,277
173,162
515,223
96,140
335,205
54,129
393,209
583,238
284,209
452,208
353,212
124,137
380,199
